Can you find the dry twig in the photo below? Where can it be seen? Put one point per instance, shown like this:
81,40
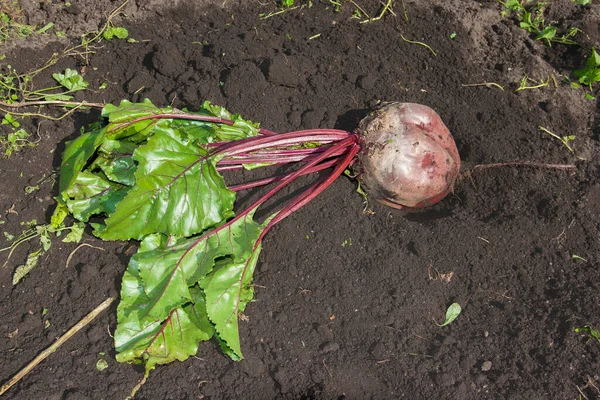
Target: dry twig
59,342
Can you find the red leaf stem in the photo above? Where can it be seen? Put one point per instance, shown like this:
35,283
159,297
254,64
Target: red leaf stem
277,156
350,140
313,191
277,178
320,136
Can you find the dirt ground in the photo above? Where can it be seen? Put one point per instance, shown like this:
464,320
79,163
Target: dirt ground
346,301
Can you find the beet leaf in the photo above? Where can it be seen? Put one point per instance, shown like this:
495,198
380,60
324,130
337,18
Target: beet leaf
177,191
153,174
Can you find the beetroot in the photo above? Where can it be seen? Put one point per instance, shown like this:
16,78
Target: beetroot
402,153
408,157
155,175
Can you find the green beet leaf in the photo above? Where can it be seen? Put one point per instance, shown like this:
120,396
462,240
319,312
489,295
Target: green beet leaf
162,278
202,133
152,178
133,297
92,194
117,169
240,129
127,111
178,192
168,272
115,159
127,120
160,342
197,132
228,290
76,155
207,132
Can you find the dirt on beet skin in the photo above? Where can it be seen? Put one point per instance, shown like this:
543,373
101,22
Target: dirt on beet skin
346,300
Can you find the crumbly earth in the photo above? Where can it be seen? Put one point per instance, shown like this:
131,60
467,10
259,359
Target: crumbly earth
346,301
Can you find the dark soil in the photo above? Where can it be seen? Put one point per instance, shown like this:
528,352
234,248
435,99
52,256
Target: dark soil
335,320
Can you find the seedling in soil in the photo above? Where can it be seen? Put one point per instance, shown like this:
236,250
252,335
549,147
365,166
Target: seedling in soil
387,7
10,120
283,7
590,73
589,331
71,80
525,84
358,13
14,142
531,18
108,31
565,140
112,32
11,23
16,88
337,6
44,234
31,189
452,312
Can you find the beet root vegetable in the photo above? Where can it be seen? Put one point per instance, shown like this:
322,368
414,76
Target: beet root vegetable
408,157
154,175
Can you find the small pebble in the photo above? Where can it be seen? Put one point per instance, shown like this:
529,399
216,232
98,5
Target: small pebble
486,366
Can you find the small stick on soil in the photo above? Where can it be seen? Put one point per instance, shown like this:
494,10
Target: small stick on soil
527,164
59,103
404,9
137,387
327,369
486,84
77,248
420,44
76,106
581,393
59,342
590,382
